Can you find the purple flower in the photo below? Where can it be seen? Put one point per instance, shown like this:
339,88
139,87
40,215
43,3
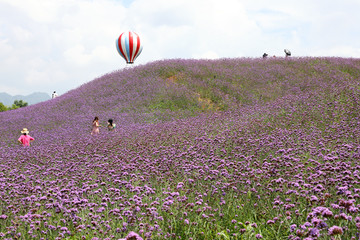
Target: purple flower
314,232
270,222
313,198
101,209
160,163
327,213
132,236
335,230
292,227
180,185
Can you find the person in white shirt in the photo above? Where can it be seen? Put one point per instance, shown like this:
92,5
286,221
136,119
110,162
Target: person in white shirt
54,95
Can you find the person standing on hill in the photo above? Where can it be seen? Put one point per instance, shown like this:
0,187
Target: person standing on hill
95,126
111,125
54,95
25,139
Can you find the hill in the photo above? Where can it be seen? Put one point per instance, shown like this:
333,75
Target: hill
204,149
33,98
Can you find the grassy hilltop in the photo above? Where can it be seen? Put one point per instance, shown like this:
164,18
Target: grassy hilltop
204,149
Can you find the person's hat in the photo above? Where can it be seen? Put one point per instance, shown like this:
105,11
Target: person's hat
24,130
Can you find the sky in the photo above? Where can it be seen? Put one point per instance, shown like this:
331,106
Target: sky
58,45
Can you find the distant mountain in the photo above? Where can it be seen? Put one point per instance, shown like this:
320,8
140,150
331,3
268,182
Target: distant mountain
33,98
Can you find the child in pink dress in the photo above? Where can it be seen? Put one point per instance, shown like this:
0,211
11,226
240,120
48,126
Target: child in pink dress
25,139
95,126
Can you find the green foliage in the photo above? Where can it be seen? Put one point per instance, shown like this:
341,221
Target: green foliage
3,108
18,104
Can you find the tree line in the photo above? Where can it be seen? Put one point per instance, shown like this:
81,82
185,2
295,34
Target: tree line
17,104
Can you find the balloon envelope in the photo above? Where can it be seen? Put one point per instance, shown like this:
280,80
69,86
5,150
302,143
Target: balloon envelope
128,46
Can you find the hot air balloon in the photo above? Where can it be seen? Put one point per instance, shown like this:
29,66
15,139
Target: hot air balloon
128,46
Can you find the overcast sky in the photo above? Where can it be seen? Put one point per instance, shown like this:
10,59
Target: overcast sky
48,45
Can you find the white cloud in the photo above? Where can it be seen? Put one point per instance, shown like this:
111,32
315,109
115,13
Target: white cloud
21,34
10,90
40,11
340,51
5,47
76,55
48,45
36,77
207,55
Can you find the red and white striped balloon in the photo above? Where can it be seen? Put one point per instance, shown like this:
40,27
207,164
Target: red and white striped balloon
128,46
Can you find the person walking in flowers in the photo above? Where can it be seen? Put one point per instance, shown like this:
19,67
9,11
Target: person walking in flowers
95,126
111,125
25,138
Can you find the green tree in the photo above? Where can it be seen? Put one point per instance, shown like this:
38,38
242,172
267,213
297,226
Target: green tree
3,108
19,104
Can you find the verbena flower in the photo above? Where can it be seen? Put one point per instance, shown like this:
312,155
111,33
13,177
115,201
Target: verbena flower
335,230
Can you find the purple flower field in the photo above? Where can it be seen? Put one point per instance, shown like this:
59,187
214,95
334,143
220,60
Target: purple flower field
204,149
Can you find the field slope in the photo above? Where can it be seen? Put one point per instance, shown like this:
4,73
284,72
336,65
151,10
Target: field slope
204,149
